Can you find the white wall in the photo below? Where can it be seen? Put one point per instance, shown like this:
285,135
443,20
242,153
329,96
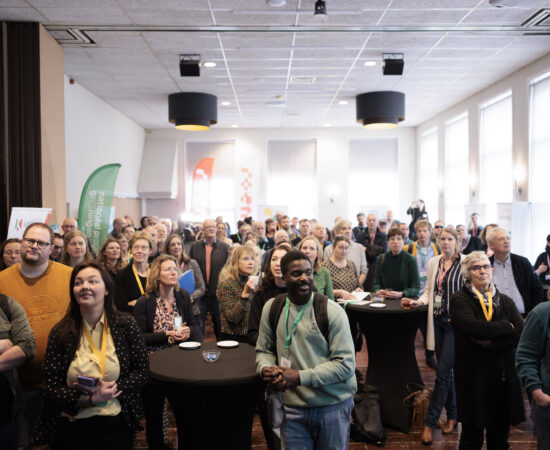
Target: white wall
519,83
97,134
332,162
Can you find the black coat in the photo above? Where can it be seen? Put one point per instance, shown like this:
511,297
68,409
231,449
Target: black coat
478,368
526,280
127,289
145,311
219,256
379,246
474,244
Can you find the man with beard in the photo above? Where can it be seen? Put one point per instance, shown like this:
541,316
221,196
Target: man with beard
305,350
41,287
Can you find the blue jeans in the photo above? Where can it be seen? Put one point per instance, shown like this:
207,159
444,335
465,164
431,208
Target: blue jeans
444,388
322,428
213,305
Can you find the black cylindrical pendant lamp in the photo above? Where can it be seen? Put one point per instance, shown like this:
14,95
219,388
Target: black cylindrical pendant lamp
380,110
193,111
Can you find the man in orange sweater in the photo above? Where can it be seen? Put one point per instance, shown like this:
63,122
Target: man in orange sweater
41,287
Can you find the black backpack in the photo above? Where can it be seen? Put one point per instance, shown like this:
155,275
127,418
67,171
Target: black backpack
6,393
320,303
366,419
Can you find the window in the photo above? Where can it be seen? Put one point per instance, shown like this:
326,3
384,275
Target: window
429,174
292,176
496,176
539,137
373,182
456,169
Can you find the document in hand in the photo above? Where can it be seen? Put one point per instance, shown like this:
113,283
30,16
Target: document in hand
187,281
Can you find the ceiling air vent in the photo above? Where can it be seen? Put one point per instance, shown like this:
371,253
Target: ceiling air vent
302,80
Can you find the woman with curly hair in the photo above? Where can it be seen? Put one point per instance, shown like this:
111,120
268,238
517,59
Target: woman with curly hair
111,257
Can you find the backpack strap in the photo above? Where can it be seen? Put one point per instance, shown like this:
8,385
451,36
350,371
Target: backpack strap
320,307
274,314
4,305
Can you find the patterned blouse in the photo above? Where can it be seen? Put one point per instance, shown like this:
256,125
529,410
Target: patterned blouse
343,278
164,319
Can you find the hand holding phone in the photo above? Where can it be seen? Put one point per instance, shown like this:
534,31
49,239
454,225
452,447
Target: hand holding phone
86,383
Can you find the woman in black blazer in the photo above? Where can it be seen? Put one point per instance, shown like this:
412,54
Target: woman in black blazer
105,412
165,317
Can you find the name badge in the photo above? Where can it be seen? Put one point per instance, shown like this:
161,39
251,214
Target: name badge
437,301
285,362
178,322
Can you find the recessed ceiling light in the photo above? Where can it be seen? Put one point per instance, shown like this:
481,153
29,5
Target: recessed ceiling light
276,3
234,126
209,64
369,63
343,102
327,125
226,103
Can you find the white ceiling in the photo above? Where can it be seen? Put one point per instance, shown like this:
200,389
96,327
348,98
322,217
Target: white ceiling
452,48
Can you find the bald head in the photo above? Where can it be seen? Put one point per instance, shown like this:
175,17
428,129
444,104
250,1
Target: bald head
69,224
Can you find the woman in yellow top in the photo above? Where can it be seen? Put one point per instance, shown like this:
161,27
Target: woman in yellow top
95,365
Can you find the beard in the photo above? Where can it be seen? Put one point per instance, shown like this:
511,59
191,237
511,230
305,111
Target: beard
31,261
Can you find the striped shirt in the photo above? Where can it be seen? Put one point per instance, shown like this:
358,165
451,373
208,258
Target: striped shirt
452,282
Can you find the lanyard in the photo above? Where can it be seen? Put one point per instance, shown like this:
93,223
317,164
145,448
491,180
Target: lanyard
442,273
423,256
140,286
100,357
288,337
488,315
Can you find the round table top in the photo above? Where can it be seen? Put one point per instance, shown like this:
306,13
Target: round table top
176,365
393,306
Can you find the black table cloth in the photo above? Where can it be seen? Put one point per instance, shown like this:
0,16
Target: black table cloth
390,334
213,402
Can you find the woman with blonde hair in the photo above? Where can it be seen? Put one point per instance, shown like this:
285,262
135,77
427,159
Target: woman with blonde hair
312,248
131,281
111,257
75,249
236,284
165,316
443,280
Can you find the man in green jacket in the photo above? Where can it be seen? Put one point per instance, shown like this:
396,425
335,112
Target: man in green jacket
315,372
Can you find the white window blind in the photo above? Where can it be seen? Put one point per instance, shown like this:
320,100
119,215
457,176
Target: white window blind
292,176
496,175
456,169
429,175
539,158
373,181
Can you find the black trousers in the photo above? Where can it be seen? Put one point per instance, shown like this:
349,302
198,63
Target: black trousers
153,405
95,433
498,427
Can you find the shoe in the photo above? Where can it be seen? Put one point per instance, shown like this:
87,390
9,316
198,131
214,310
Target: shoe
430,362
427,436
449,427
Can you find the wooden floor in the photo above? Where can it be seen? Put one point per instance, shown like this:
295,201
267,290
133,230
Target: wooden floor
521,437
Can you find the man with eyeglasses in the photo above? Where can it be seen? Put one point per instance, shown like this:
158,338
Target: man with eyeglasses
438,226
57,248
41,286
69,224
513,274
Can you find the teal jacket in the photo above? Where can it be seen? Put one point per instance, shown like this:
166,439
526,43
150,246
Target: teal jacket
533,352
397,272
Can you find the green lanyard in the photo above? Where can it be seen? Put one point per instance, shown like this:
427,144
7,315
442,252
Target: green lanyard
288,337
423,255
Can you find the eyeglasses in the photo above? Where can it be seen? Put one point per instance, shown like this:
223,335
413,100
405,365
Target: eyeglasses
12,252
58,247
41,244
438,226
479,267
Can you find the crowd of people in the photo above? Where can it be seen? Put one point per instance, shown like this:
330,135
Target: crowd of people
77,328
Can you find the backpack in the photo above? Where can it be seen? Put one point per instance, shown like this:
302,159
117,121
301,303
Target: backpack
320,303
366,418
6,393
419,401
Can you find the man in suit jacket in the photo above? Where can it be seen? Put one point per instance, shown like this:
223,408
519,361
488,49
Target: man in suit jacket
211,256
513,274
376,242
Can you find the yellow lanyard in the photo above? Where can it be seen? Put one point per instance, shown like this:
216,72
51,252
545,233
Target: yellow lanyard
488,315
100,357
138,280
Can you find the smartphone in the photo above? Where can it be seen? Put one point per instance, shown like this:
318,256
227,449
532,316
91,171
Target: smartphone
89,382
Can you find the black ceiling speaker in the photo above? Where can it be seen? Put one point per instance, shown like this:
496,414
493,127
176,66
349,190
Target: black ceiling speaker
193,111
380,110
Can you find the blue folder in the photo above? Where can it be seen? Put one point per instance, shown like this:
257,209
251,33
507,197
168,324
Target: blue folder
187,281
